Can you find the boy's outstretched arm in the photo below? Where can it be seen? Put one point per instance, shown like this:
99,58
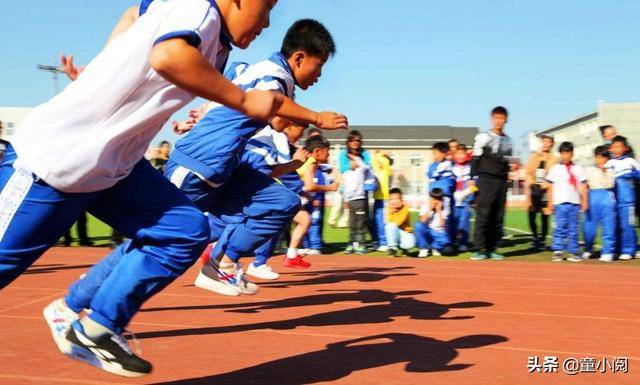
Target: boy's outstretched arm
126,20
325,120
184,66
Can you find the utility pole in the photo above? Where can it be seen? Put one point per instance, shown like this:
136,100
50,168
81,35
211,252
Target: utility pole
54,71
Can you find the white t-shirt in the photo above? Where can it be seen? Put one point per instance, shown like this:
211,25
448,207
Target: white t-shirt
91,135
563,190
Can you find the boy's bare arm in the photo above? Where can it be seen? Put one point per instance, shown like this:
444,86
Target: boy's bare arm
549,209
184,66
584,197
128,18
324,120
311,186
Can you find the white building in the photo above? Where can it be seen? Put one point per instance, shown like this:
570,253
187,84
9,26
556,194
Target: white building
11,117
583,131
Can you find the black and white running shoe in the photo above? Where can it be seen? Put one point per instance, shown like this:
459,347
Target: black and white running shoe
110,352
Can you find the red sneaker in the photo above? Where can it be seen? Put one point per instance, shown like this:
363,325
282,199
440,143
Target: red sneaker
296,263
205,257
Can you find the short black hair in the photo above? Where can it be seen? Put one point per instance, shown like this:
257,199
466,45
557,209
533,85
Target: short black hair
546,136
309,36
164,142
441,147
603,128
454,141
436,193
313,131
621,139
395,190
602,151
317,141
462,147
500,110
565,147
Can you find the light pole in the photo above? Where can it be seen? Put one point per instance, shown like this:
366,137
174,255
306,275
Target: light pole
54,71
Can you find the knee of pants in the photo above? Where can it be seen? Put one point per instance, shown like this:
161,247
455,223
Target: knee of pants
193,239
288,203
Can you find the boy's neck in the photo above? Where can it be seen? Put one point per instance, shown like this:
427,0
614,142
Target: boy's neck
499,131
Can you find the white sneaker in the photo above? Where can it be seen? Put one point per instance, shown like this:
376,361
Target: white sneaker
463,248
625,257
424,253
231,284
574,258
59,318
314,252
303,252
606,258
557,256
262,272
383,249
586,255
637,254
435,253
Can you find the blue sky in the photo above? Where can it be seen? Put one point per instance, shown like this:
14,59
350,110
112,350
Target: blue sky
398,62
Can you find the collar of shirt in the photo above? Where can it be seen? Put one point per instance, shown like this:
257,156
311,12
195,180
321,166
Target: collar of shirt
225,36
279,59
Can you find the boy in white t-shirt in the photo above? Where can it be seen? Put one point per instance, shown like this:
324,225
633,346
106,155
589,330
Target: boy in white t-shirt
568,192
90,157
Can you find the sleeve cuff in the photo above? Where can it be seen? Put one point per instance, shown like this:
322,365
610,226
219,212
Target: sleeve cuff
191,37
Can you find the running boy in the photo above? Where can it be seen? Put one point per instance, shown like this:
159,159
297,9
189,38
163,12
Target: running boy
463,198
602,207
568,192
400,236
90,157
625,169
431,231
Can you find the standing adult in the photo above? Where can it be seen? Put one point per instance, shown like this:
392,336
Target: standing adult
490,167
536,189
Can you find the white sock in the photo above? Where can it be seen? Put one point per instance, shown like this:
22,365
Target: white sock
356,245
93,329
292,253
227,267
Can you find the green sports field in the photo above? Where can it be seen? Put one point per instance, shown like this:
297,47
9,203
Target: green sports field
515,246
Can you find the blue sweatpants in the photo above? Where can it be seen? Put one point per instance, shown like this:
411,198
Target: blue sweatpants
313,238
245,212
626,225
430,239
265,251
602,212
567,224
168,235
462,224
379,221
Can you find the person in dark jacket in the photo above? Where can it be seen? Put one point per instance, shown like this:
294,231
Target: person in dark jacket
490,169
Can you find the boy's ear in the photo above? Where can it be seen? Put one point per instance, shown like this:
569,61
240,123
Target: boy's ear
298,58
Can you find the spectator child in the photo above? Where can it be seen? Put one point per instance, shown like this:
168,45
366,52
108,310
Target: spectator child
463,198
625,169
356,198
602,207
431,231
381,164
568,193
398,224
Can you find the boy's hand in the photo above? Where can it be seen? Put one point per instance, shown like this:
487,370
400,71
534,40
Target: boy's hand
261,105
547,210
334,186
584,206
183,127
68,67
331,121
301,154
424,218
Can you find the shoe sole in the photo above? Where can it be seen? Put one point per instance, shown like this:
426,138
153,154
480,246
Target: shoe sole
81,354
218,287
61,342
248,292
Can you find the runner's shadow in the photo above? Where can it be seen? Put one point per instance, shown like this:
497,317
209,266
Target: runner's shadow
373,314
338,276
45,269
339,360
362,296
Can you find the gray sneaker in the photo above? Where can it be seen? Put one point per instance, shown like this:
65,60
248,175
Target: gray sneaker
558,256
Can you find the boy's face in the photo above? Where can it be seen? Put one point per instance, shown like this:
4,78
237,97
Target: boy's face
307,69
601,160
247,19
396,201
617,149
439,156
355,143
566,156
547,144
460,156
609,133
499,121
453,147
321,155
294,132
165,149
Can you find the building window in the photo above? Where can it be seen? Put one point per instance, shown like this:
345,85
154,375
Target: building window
9,124
416,160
